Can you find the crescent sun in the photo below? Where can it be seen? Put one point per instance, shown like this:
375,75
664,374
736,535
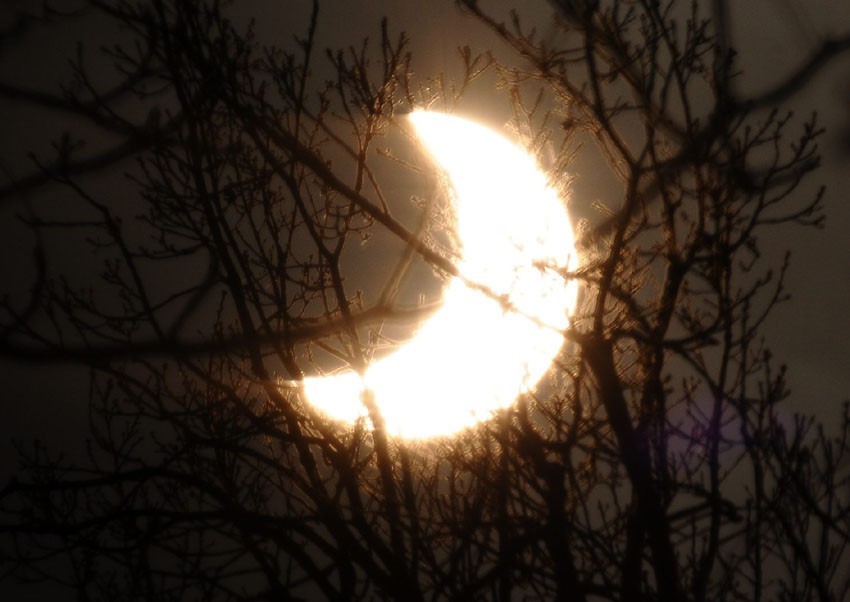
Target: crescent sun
476,353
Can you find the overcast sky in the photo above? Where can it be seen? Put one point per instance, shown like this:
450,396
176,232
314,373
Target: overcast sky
810,332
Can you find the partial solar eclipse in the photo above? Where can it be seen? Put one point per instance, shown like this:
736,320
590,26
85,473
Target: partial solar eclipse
476,353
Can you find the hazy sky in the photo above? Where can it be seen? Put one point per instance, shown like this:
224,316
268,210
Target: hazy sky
810,332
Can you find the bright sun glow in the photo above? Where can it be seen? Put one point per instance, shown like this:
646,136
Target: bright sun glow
472,356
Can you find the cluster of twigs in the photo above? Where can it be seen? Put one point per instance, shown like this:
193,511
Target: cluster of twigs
658,464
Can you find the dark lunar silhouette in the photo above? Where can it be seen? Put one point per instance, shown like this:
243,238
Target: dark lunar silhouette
238,254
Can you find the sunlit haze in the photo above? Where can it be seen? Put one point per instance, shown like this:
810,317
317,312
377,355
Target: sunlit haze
474,356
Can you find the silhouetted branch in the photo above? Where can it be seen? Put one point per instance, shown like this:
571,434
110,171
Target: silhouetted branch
655,464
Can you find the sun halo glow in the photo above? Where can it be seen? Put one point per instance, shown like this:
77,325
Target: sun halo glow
476,354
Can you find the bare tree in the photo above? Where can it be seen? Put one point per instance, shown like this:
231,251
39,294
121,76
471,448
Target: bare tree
657,464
